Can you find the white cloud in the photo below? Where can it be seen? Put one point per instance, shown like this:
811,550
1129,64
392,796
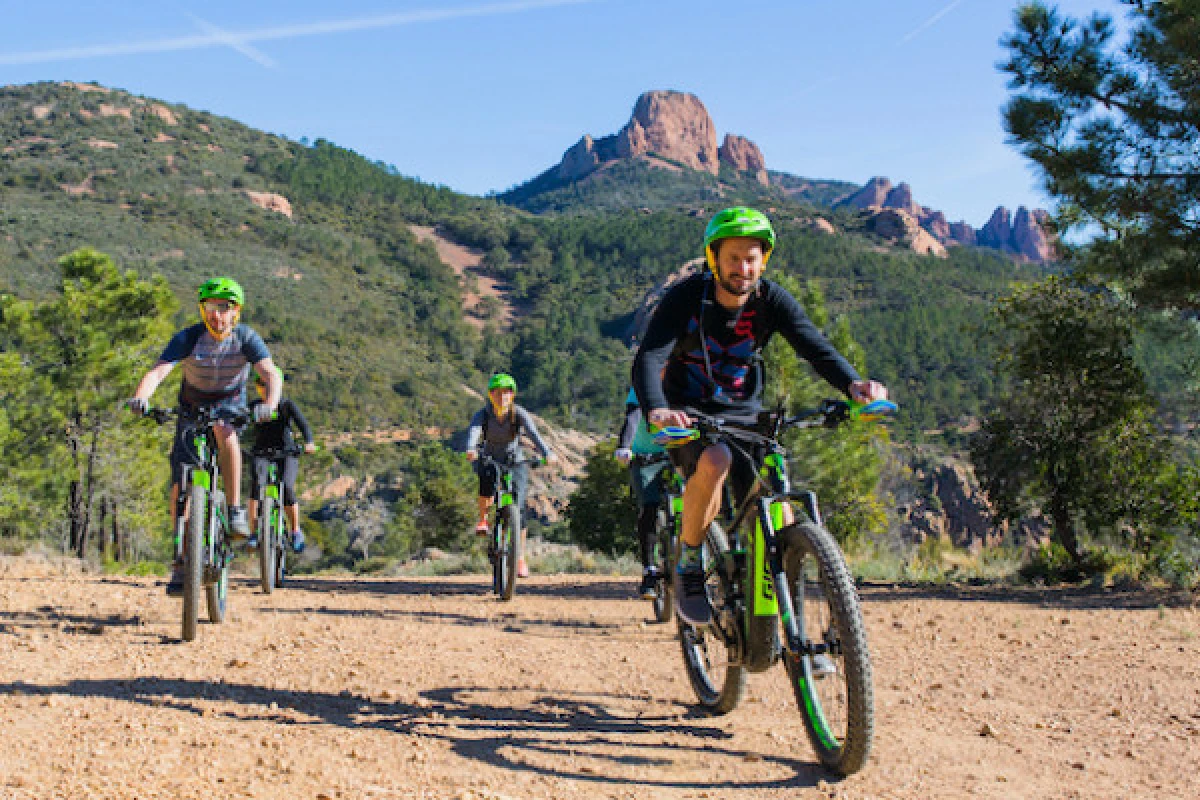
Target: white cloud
241,40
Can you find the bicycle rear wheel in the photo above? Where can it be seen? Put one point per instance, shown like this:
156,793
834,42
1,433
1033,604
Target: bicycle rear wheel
833,686
664,600
193,560
217,594
281,548
711,653
266,543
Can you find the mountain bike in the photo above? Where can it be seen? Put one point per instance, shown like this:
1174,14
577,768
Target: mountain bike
201,524
274,542
765,574
504,540
666,533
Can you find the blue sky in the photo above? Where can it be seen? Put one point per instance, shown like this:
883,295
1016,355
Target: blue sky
481,95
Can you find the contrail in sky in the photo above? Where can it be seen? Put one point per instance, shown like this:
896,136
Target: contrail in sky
929,23
241,41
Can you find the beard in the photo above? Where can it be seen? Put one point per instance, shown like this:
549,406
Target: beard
746,288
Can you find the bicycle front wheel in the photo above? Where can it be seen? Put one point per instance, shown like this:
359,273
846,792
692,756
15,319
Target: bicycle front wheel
217,594
266,543
832,682
193,560
711,652
508,544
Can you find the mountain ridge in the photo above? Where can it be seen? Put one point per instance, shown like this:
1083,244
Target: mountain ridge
672,130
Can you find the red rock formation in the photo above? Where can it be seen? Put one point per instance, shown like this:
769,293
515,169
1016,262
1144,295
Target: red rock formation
579,160
962,233
872,195
938,227
901,198
902,227
744,156
673,125
997,233
1031,236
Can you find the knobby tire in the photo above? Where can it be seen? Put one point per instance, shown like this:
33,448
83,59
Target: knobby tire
193,560
716,675
838,710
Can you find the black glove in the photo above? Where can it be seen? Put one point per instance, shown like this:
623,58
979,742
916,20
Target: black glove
138,405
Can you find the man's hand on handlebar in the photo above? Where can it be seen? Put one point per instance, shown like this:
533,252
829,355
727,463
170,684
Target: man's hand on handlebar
668,417
868,391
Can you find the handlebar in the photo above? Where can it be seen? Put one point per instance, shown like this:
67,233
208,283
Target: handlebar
204,416
484,458
830,414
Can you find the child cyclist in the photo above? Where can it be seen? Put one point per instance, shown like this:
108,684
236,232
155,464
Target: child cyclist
276,434
495,430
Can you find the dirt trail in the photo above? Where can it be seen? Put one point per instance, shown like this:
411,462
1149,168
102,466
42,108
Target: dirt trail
430,688
468,264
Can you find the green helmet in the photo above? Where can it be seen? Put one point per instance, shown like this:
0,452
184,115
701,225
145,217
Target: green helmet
223,289
502,380
738,221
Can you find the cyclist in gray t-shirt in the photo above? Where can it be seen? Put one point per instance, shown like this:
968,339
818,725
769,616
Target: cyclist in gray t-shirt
216,356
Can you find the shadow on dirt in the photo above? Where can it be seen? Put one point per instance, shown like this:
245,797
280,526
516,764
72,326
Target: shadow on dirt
592,737
508,622
563,586
1062,598
52,617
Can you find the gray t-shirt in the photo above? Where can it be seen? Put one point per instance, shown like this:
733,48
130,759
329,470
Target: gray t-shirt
501,437
214,369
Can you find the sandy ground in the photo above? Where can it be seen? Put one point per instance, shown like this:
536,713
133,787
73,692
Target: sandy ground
431,688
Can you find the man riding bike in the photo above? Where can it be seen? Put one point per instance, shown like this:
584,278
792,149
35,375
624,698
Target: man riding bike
276,435
498,427
217,355
705,341
634,445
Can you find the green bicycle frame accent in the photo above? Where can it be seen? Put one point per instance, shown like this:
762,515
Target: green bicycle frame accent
506,497
201,477
815,713
765,603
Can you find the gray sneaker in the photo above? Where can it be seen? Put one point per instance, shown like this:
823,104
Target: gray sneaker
239,526
691,598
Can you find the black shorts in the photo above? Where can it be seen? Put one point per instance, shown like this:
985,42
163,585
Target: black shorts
183,449
289,467
489,474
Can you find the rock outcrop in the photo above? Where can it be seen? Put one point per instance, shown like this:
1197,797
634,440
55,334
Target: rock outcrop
674,125
902,227
1026,236
871,196
744,156
669,125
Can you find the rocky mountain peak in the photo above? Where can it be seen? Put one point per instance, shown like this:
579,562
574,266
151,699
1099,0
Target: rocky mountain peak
669,125
674,125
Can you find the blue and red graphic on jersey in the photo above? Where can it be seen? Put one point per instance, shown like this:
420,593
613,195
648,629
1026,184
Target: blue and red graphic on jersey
731,362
